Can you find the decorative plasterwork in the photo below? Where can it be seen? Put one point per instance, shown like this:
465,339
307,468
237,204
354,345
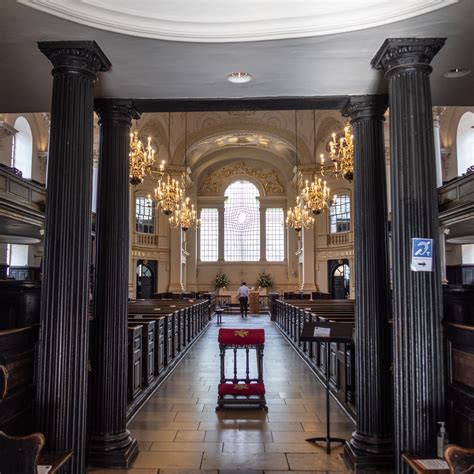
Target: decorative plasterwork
267,177
227,21
6,130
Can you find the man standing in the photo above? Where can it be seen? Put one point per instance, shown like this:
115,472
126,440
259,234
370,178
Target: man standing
243,295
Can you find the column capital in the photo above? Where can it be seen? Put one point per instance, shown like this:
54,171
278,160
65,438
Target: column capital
406,53
84,57
116,110
366,106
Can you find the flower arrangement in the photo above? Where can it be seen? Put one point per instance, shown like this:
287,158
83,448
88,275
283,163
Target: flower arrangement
264,280
221,281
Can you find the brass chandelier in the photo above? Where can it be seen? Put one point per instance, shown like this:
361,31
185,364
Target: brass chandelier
299,216
341,154
169,191
141,159
185,216
316,196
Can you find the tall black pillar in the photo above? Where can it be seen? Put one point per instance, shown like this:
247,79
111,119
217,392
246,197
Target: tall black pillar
418,354
61,401
109,441
371,443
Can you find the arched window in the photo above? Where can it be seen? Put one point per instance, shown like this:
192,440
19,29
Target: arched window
465,142
340,215
242,223
22,147
144,215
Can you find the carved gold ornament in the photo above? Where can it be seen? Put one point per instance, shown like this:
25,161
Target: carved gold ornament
267,177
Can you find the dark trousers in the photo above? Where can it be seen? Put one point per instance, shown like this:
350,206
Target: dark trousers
243,305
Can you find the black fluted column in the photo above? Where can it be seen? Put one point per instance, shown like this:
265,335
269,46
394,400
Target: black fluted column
61,401
109,441
417,333
371,443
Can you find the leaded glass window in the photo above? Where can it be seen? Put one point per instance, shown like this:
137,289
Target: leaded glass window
242,223
209,235
275,235
144,215
340,215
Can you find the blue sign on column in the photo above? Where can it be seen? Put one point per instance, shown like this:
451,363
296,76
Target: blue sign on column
422,255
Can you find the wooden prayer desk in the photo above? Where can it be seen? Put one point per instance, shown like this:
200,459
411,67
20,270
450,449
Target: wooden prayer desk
55,460
411,459
327,332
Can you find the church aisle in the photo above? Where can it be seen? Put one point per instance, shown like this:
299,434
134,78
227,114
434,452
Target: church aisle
179,432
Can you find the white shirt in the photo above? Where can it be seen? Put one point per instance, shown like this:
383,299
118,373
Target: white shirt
243,292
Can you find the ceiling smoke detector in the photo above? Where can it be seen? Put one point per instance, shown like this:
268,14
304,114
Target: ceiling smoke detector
456,72
239,77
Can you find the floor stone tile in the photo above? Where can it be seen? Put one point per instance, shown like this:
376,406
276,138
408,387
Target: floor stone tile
153,435
122,471
237,461
190,436
187,447
244,448
188,471
220,425
174,460
163,425
315,461
301,447
245,436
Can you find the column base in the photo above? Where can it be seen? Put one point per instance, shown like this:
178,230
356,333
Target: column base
364,452
117,451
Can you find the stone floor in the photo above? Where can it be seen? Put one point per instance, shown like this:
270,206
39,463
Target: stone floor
179,431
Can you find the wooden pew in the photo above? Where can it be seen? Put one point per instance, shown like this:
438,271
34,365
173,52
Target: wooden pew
148,345
291,316
16,378
135,344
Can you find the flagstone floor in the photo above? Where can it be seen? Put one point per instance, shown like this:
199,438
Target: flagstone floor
179,431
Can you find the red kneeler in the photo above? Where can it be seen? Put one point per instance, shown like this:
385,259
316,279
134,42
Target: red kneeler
241,390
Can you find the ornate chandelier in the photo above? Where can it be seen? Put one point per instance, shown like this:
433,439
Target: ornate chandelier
299,216
185,216
316,196
141,159
169,192
341,154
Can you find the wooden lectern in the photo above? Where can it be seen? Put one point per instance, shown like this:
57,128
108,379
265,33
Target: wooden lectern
254,302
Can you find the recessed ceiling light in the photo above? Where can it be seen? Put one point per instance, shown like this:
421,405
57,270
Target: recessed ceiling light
456,72
239,77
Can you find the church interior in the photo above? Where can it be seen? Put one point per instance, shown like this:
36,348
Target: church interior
166,167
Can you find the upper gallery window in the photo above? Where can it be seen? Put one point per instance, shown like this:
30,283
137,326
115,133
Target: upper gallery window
144,215
209,235
275,235
465,143
22,150
340,215
242,223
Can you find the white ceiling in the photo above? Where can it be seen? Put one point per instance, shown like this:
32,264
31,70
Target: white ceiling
325,65
222,21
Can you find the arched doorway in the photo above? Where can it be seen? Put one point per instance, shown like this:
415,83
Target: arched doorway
339,278
145,279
